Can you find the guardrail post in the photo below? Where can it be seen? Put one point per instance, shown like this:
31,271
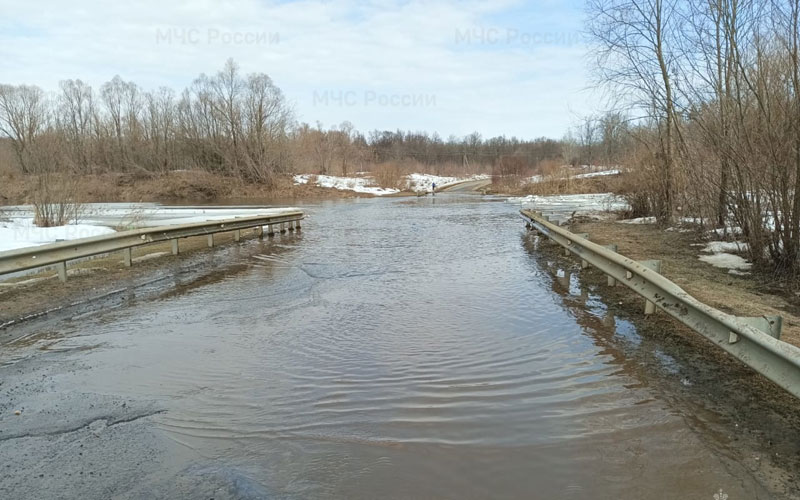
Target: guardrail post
655,265
584,264
270,230
291,225
283,227
127,256
237,235
612,281
297,225
175,249
260,232
210,238
61,267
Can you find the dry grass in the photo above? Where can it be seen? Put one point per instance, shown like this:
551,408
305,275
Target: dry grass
184,186
742,296
565,185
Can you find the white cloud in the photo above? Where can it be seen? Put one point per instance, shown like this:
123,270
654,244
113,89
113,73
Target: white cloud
474,71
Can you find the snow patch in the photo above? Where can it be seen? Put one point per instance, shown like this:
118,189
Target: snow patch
639,220
726,261
566,204
22,232
357,184
725,246
597,174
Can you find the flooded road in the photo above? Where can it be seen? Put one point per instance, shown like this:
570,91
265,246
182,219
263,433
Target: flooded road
396,348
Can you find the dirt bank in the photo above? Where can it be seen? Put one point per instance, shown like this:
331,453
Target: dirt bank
182,186
750,295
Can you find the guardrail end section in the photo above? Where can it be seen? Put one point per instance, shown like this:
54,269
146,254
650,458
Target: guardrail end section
771,325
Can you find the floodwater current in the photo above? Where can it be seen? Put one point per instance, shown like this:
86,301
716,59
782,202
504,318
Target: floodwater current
395,348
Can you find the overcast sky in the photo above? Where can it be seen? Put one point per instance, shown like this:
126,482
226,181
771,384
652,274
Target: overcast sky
498,67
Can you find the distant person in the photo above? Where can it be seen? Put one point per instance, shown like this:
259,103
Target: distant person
433,188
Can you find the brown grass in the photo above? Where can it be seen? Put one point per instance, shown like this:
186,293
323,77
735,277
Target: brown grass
565,185
742,296
185,186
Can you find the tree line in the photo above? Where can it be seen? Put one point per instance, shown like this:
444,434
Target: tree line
227,122
711,97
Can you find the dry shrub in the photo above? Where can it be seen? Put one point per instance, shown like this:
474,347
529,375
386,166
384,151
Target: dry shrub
55,200
189,185
389,174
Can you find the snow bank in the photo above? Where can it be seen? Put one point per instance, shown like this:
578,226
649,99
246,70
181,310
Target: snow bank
357,184
581,203
21,233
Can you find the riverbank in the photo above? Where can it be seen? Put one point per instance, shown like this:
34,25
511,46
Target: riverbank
679,251
173,187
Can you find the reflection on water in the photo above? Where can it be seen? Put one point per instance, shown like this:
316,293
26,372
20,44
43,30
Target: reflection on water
401,348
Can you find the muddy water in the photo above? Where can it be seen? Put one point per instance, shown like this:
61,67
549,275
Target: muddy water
403,348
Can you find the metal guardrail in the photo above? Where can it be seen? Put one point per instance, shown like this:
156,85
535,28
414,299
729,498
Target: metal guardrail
754,341
60,253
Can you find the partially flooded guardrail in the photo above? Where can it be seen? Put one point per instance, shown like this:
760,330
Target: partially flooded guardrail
59,253
753,341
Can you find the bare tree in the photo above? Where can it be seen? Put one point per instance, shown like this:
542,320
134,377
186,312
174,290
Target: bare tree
635,55
23,116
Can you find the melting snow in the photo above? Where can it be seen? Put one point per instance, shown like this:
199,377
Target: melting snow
597,174
357,184
18,231
569,203
727,261
725,246
21,233
414,182
639,220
